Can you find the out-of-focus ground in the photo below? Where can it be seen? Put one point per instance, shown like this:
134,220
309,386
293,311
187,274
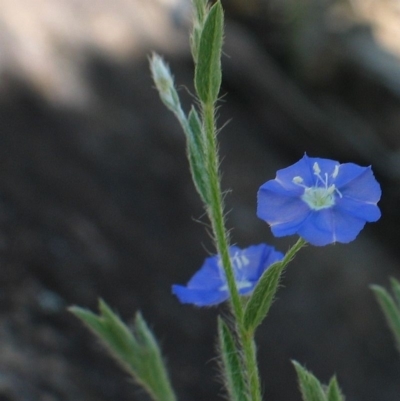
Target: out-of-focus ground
96,199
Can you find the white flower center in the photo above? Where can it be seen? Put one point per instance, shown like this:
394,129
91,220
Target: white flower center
319,197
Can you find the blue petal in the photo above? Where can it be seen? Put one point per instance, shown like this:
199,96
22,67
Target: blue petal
199,297
283,213
362,210
209,276
330,225
290,227
289,189
363,187
260,258
301,169
348,172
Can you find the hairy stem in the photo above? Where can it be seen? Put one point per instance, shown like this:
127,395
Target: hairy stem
216,214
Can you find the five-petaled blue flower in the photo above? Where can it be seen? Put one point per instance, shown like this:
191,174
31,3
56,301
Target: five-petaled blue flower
320,200
209,287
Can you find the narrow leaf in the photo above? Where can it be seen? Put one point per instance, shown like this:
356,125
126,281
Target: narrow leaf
196,155
261,300
152,367
208,67
390,311
113,333
138,353
195,42
94,322
233,369
117,327
200,10
333,392
311,389
197,133
396,289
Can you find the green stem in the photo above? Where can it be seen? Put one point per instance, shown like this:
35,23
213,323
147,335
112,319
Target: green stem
290,254
216,214
216,209
250,358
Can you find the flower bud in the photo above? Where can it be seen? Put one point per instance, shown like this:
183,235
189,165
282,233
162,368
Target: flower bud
164,82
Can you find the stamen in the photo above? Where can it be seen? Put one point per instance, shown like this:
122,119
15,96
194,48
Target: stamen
336,171
331,189
316,169
297,180
317,173
239,261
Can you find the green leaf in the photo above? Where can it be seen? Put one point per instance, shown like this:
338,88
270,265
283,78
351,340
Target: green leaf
93,321
198,134
311,389
390,310
208,68
196,155
118,335
195,42
263,295
396,289
261,300
114,334
200,10
233,368
333,392
152,368
138,351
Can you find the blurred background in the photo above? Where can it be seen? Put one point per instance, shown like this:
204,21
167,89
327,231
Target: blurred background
96,199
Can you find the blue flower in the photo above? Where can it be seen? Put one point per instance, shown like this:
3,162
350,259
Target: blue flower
320,200
209,287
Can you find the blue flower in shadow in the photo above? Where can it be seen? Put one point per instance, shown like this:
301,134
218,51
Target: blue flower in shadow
209,287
